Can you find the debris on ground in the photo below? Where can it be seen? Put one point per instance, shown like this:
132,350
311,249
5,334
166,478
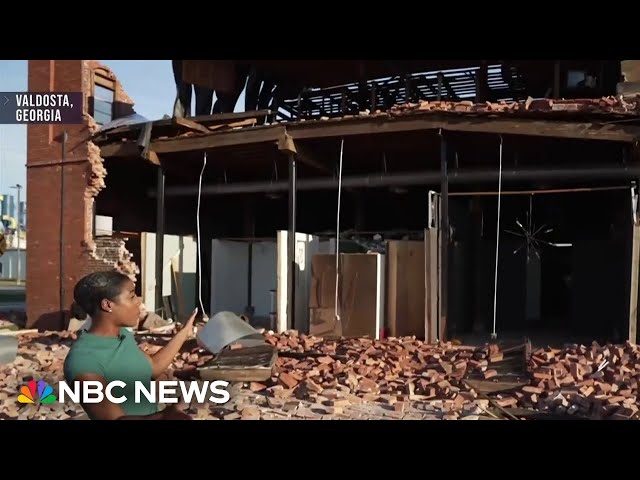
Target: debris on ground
593,381
362,378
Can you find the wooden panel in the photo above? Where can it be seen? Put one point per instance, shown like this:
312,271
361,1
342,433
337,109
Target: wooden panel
360,295
406,291
631,70
322,321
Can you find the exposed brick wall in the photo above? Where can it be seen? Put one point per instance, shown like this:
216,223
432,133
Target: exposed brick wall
84,176
110,253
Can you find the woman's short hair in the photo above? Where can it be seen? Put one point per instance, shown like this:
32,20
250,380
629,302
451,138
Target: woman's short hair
92,289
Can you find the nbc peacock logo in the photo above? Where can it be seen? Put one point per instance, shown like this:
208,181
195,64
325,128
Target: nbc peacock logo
36,393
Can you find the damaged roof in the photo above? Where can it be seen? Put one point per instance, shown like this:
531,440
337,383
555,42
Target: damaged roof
607,118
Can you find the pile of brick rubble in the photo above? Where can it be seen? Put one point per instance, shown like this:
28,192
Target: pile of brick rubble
395,378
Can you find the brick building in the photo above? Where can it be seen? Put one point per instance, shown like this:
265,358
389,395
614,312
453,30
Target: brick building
423,164
63,181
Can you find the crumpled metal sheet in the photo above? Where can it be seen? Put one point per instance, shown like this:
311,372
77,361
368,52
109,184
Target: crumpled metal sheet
8,348
225,328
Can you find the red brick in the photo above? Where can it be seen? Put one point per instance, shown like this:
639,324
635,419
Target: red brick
43,196
586,391
497,357
507,402
532,389
256,387
287,380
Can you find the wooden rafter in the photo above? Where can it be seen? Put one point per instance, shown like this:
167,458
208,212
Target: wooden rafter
585,130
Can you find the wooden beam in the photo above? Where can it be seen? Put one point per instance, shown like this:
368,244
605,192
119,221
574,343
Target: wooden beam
121,149
202,120
230,117
328,129
286,145
153,158
219,139
432,121
241,123
129,150
190,124
549,128
619,132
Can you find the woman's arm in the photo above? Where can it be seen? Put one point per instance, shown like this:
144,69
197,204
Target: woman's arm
105,410
161,360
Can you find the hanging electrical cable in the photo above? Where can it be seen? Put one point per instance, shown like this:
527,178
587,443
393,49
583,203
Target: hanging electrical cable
337,315
204,164
494,335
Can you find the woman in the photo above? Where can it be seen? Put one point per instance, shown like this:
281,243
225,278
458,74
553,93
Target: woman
107,351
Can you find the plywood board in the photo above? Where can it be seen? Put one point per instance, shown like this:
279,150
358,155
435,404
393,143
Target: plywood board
631,70
406,288
361,286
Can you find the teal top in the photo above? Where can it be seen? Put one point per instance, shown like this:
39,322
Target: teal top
114,358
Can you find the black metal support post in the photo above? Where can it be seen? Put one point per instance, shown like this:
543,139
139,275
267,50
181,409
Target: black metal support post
159,238
291,255
444,247
249,230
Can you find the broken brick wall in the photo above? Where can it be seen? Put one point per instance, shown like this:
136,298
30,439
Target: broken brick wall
110,253
84,177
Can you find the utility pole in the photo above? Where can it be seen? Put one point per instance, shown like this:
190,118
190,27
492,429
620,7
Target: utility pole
19,188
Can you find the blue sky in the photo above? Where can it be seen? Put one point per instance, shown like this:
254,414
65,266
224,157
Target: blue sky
148,82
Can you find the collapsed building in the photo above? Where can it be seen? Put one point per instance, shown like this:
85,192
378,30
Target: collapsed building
400,182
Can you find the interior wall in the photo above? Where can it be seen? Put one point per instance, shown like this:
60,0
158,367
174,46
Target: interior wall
229,276
264,276
229,265
306,247
180,254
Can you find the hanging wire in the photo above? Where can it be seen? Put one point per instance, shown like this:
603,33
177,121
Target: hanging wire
495,279
204,164
337,314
